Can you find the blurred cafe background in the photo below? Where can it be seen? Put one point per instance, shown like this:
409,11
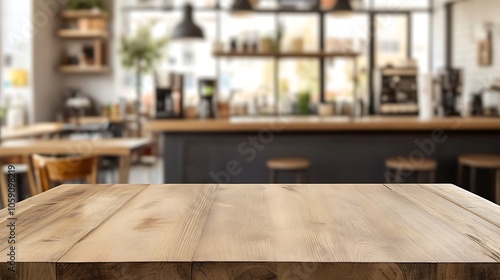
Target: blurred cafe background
250,91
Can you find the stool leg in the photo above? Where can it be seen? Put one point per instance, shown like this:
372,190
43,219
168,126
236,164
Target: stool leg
460,175
298,177
473,173
497,187
419,175
387,176
432,176
398,177
301,177
272,176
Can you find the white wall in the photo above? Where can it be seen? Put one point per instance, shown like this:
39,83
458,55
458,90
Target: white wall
47,91
439,37
468,14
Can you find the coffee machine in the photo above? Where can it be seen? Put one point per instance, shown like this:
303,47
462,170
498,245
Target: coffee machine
169,97
451,91
398,91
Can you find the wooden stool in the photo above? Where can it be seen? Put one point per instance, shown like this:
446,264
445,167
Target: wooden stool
476,161
298,165
401,164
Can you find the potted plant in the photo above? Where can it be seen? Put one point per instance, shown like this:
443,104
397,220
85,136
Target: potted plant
141,52
86,5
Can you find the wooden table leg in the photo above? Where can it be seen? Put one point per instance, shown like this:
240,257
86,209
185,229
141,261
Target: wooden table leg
124,170
3,186
30,172
497,187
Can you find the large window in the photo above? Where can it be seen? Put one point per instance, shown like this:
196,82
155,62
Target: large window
402,33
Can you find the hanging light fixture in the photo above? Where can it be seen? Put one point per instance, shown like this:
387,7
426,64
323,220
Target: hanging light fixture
187,29
241,6
342,7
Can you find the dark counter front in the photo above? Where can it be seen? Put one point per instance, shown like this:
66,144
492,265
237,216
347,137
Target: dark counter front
340,152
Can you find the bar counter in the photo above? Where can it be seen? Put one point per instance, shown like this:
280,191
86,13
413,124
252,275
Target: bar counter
340,150
246,124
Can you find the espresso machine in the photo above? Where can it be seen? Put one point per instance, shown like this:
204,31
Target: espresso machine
398,91
169,97
451,91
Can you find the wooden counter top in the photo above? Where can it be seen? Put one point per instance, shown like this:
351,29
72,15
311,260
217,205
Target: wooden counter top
324,124
223,232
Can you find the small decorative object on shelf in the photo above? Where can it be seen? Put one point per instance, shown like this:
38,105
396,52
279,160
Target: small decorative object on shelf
303,103
298,4
86,5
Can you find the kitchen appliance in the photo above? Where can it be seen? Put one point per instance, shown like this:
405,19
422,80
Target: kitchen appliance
299,4
207,91
169,97
16,113
398,91
451,90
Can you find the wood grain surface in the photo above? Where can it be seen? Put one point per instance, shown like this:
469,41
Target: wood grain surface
35,130
111,147
219,232
293,124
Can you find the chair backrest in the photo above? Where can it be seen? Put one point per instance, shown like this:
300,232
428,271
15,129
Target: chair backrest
63,169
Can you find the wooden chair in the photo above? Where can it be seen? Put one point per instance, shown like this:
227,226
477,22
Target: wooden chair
22,166
417,167
299,166
64,169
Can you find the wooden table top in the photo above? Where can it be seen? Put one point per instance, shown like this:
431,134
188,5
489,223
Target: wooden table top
293,124
109,147
94,121
34,130
225,232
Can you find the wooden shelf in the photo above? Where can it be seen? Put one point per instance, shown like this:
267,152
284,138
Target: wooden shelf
79,69
273,11
82,34
288,55
76,14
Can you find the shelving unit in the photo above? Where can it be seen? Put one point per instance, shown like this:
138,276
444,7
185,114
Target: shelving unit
80,69
82,34
95,36
288,54
321,55
76,14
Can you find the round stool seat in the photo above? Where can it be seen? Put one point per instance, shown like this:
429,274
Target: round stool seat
404,163
480,161
288,163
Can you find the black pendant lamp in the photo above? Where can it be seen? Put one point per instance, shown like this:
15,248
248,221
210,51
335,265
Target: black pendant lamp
342,6
187,29
241,6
